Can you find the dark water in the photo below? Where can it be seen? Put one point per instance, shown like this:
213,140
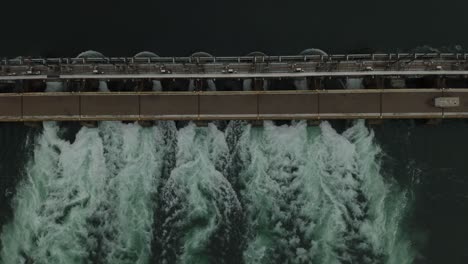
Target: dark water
432,161
17,144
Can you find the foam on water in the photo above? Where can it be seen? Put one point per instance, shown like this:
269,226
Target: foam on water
134,158
53,204
313,195
121,193
90,200
200,205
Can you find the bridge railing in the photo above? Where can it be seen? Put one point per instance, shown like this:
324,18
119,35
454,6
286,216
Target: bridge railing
336,66
239,59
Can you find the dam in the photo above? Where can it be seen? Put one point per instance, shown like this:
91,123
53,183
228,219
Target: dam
310,86
233,191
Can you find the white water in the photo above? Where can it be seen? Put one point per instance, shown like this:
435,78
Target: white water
210,86
271,194
316,196
301,84
199,201
354,83
157,86
88,200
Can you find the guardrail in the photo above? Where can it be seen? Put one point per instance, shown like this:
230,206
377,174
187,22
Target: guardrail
352,65
238,59
317,104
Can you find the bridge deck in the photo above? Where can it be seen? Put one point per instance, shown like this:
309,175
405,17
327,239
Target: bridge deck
316,104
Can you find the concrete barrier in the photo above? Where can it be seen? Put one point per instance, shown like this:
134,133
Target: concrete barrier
288,105
318,104
349,104
10,107
43,107
410,103
462,110
227,105
179,106
110,106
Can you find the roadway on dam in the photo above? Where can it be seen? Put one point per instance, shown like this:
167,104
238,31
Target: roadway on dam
252,105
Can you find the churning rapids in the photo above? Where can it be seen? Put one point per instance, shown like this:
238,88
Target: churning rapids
122,193
225,193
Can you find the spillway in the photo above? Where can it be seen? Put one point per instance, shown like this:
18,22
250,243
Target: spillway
227,191
122,193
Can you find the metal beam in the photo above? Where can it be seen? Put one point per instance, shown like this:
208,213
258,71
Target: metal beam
395,57
263,75
351,65
233,76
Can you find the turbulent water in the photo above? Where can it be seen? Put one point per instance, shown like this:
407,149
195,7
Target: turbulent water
234,193
122,193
